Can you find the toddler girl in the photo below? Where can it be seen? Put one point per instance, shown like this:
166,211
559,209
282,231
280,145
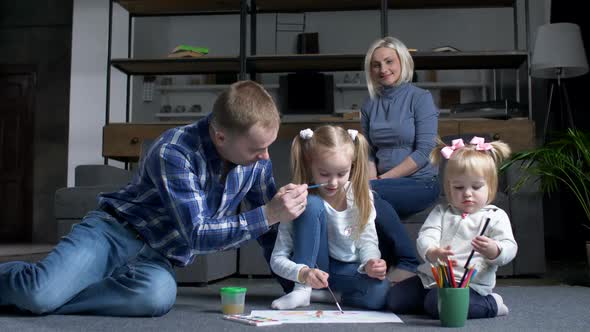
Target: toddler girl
453,230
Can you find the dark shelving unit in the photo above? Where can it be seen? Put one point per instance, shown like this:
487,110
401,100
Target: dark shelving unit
252,64
184,66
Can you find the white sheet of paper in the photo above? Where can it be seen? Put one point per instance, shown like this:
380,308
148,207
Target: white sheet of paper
328,316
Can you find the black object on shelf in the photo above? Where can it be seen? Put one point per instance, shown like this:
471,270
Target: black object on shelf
308,43
495,109
306,93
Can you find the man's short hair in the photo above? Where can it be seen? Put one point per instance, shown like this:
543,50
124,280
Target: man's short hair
242,105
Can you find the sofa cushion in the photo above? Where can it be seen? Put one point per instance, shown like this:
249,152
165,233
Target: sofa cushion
75,202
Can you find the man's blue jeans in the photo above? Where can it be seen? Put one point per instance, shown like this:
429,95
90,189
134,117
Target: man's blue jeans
397,198
310,247
100,268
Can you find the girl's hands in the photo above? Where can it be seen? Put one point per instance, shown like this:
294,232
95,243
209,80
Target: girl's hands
376,268
435,254
315,278
486,246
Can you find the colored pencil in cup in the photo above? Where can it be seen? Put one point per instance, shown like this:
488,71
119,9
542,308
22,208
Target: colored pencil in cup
435,275
451,273
470,277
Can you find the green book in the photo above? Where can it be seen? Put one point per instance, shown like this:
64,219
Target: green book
181,48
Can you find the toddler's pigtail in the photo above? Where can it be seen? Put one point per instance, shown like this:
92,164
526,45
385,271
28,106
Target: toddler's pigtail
500,151
298,163
435,154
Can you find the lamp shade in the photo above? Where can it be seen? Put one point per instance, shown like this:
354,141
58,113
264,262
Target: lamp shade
559,49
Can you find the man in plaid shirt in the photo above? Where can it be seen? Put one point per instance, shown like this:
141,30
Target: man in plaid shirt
201,188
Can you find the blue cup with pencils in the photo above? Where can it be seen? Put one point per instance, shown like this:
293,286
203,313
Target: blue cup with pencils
453,306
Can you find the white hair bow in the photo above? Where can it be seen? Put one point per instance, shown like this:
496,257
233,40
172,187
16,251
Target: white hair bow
306,133
352,133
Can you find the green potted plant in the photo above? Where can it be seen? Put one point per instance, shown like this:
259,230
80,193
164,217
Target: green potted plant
563,162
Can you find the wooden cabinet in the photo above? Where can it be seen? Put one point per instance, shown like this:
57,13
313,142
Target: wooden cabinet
122,141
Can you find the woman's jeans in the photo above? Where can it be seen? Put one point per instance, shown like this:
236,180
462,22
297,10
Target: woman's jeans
310,247
410,297
395,199
100,268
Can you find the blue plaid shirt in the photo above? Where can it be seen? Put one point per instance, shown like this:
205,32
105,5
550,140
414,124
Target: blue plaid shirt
179,203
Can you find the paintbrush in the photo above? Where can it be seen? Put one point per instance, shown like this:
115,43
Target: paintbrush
330,290
313,186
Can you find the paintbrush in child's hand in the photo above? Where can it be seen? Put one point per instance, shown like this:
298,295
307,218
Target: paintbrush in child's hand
313,186
332,293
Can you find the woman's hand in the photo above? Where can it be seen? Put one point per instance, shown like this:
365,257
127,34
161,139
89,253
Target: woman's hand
486,246
435,254
376,268
315,278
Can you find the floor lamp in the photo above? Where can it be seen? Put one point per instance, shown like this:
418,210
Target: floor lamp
559,53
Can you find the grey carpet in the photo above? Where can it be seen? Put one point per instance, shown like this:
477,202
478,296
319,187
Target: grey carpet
545,308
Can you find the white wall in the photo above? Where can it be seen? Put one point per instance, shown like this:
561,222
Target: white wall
88,80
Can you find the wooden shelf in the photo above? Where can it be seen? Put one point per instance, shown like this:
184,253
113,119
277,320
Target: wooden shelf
424,85
469,60
316,62
167,66
179,7
192,115
310,62
202,87
189,7
284,6
354,62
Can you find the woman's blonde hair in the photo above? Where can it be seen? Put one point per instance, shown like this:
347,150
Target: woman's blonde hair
336,139
406,63
471,159
242,105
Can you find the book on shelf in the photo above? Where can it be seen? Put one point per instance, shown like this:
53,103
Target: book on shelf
187,51
445,48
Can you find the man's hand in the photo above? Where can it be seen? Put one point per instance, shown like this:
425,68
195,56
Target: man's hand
435,254
376,268
287,204
315,278
486,246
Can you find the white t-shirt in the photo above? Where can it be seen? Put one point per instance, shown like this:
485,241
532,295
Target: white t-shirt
344,241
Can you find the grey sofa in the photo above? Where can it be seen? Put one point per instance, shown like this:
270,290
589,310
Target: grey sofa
72,204
523,207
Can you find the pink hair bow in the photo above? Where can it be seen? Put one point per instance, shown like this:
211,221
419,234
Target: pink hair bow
480,144
447,151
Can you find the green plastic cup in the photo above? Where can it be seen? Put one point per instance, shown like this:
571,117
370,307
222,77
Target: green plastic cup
232,300
453,306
